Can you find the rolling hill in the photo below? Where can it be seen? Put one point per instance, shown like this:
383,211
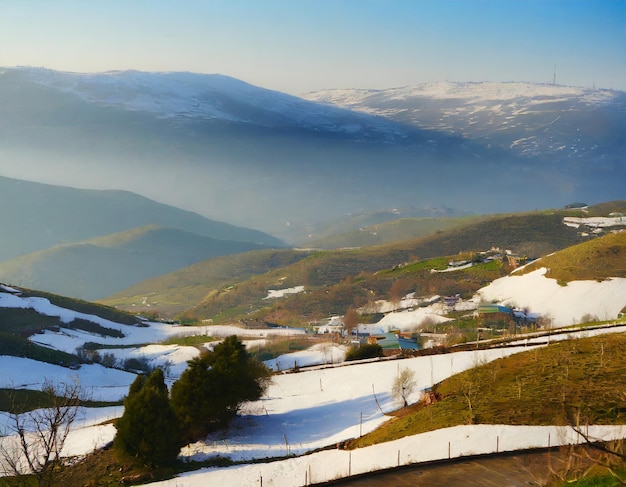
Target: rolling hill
366,228
37,216
596,259
170,294
96,268
336,280
491,389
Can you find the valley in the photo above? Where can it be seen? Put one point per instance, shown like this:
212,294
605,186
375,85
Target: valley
426,273
281,164
317,399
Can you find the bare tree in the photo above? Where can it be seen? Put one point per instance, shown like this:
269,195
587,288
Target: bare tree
397,290
350,320
403,386
33,440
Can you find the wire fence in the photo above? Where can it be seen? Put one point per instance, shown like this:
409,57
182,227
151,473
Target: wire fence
449,443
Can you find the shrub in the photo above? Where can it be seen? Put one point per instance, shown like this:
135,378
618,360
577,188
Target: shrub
364,351
215,385
148,429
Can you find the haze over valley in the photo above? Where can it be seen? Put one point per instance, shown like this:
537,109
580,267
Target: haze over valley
293,242
278,163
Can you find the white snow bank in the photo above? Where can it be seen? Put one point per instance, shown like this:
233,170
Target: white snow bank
410,320
171,358
595,222
319,354
98,383
87,434
68,340
565,305
455,442
316,408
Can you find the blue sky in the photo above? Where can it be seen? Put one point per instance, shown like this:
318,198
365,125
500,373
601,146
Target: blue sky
304,45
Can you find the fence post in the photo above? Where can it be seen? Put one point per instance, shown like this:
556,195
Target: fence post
349,463
448,450
497,444
361,425
398,458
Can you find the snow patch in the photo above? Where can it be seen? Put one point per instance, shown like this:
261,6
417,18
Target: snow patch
563,305
279,293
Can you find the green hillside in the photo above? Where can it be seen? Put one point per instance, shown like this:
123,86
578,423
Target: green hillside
99,267
172,293
575,382
390,231
337,279
598,258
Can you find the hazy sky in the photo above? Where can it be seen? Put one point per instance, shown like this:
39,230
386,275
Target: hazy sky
303,45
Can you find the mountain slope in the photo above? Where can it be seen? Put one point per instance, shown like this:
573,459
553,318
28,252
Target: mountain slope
99,267
38,216
388,232
186,96
261,159
569,123
597,259
172,293
333,279
585,282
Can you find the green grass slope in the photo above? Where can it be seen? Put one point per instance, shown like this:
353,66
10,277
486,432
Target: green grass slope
578,380
390,231
99,267
172,293
598,258
337,279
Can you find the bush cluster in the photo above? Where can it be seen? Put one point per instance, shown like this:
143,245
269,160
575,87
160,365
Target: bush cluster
370,350
207,396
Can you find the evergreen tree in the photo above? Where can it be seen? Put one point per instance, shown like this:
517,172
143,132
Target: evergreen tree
191,400
214,386
149,429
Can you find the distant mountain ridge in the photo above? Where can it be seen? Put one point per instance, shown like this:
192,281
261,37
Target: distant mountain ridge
96,268
186,96
263,159
557,121
38,216
89,244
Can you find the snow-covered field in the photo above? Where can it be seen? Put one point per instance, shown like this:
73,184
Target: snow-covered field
319,407
564,305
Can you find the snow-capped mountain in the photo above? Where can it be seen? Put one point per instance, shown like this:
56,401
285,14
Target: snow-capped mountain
263,159
535,120
191,96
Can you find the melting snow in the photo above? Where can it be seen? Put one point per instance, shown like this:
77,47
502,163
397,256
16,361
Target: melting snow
317,408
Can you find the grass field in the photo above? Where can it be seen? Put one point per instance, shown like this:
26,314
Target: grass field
572,381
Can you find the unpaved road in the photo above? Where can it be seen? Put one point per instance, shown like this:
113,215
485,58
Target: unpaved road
505,470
